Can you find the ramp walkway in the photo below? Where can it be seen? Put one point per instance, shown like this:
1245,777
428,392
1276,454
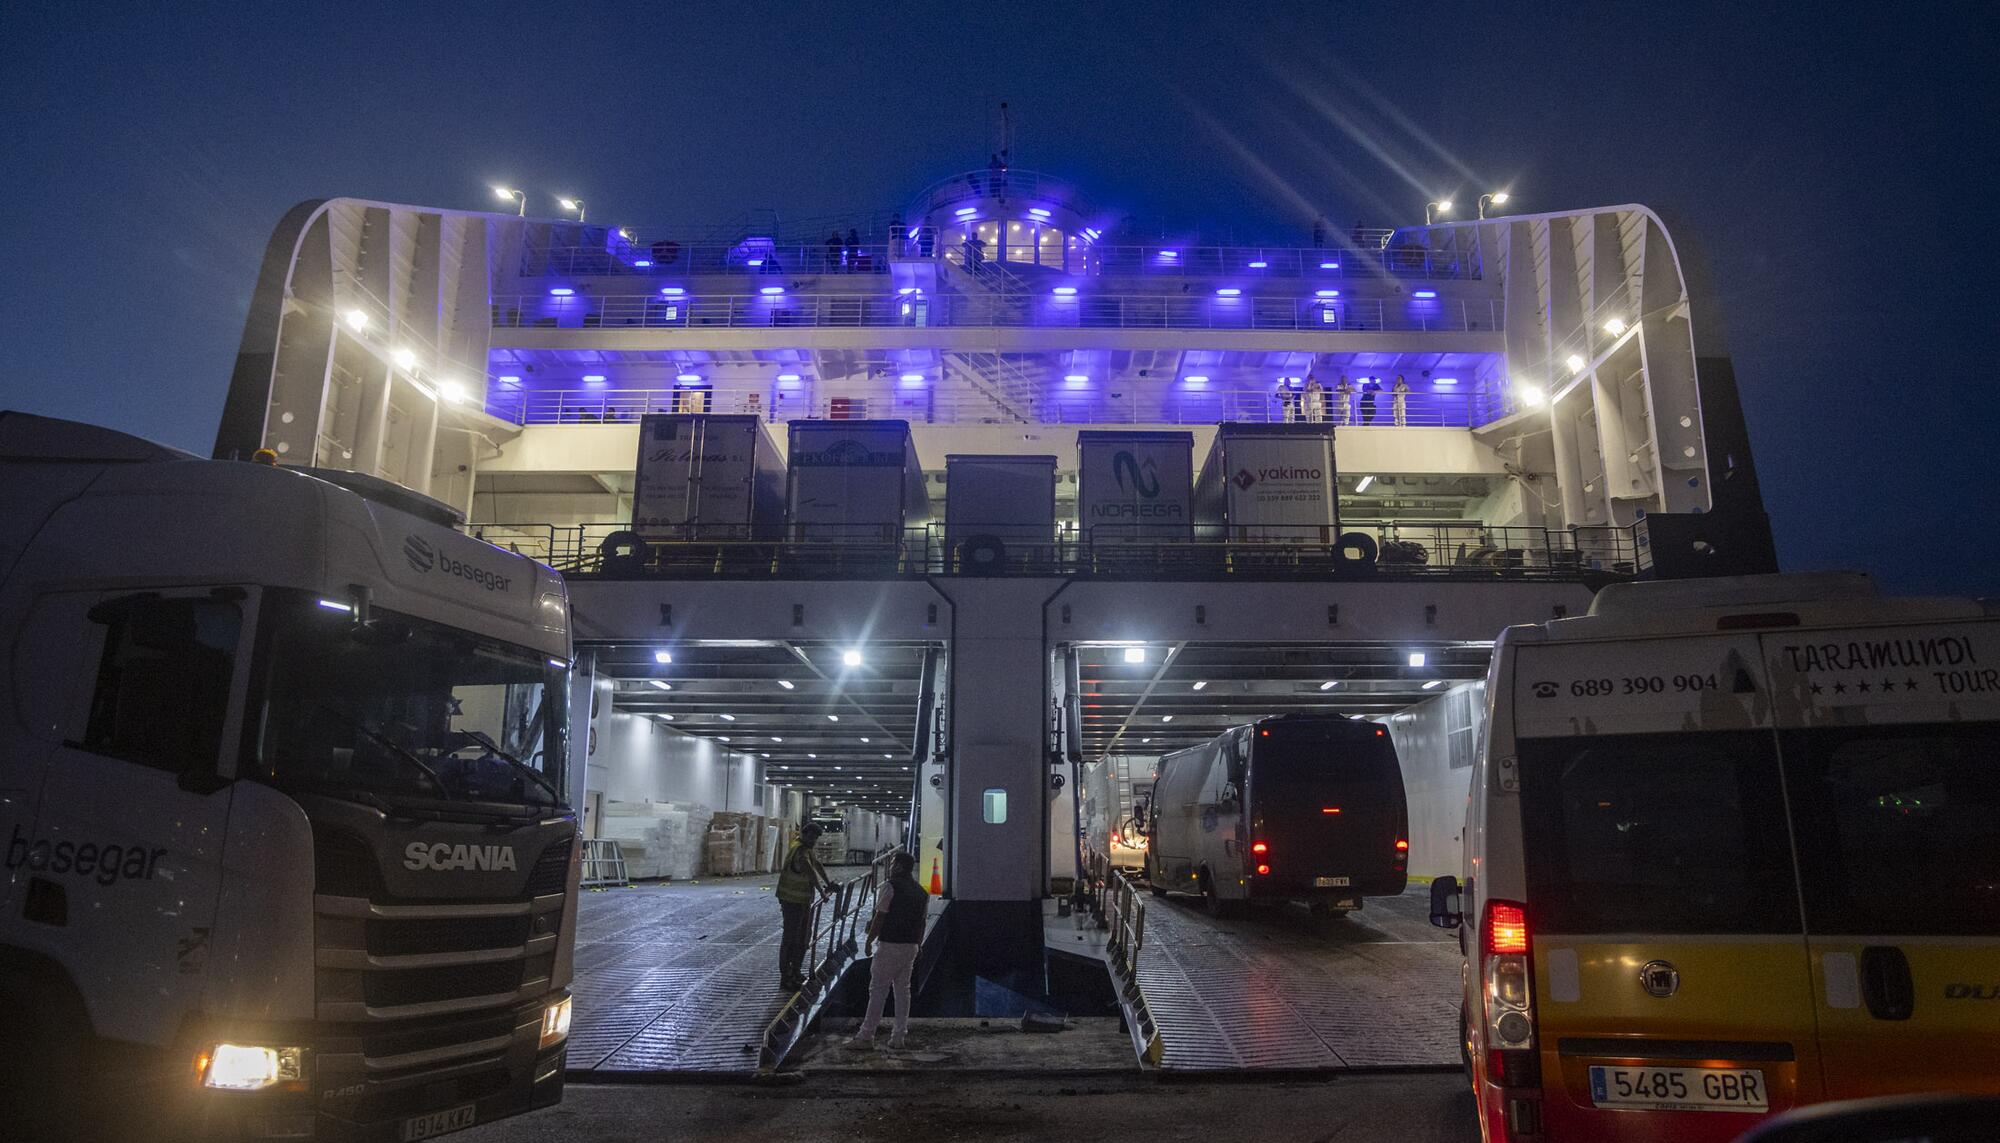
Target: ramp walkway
1286,990
683,977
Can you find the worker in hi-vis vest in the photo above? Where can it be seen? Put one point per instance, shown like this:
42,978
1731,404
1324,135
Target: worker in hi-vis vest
799,881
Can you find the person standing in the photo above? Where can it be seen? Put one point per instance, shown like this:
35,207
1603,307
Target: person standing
800,880
1343,400
1284,395
1369,387
900,907
1315,397
1399,400
833,252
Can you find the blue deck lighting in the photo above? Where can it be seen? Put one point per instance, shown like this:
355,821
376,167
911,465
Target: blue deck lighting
771,291
560,292
1259,265
1227,292
966,211
1065,291
1326,293
1038,212
1425,295
672,291
643,263
1329,265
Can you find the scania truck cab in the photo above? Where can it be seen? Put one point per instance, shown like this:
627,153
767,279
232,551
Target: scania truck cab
288,852
1733,847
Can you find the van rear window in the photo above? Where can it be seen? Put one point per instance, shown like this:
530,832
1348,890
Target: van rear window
1899,827
1656,833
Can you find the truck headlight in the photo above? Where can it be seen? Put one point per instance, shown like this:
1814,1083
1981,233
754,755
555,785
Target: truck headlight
555,1023
250,1067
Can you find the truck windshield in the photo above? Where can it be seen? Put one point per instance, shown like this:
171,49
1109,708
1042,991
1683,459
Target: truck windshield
408,712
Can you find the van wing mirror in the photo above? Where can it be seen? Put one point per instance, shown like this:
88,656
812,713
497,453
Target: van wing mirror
1445,908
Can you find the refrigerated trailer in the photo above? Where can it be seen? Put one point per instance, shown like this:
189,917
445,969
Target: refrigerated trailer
1135,487
1295,808
853,482
282,790
707,477
1269,484
999,511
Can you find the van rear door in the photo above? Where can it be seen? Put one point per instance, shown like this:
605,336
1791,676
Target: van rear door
1892,762
1327,800
1668,957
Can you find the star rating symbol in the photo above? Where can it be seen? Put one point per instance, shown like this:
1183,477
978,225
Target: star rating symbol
1863,686
1817,689
1840,688
1888,685
1909,684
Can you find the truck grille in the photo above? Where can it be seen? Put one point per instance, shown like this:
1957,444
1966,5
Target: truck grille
445,934
390,989
551,872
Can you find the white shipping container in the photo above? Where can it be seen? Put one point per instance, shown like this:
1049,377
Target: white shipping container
706,478
1135,487
854,481
1273,483
1008,499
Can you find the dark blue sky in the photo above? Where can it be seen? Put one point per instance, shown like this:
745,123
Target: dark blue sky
1833,164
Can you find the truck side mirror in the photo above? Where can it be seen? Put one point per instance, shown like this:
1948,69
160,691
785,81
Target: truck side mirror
1445,909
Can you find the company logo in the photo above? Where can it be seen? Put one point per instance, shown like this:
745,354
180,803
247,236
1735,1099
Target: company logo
1659,978
1244,479
419,553
1134,478
424,559
442,856
105,861
848,454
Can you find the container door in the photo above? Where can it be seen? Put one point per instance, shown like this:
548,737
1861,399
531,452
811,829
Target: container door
1892,762
1671,993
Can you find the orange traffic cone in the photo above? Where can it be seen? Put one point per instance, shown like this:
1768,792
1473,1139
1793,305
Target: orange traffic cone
937,882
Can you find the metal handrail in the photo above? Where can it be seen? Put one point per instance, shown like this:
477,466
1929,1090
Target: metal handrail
1406,551
1117,908
1009,394
1246,311
832,946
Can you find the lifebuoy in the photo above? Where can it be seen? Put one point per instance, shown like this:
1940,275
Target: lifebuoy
982,555
1365,549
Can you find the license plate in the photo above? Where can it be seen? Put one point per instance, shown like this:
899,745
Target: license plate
1331,882
438,1122
1680,1089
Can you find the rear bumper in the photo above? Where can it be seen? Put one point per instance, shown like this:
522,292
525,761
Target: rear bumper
1301,888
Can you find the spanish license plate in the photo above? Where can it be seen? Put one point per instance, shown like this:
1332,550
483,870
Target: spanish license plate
1331,882
438,1122
1679,1089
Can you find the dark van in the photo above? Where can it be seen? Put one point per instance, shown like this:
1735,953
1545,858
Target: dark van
1299,808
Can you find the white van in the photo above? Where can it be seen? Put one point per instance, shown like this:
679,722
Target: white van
1733,847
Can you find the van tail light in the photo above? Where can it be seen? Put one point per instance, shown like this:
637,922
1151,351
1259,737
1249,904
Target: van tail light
1505,970
1402,845
1263,869
1260,847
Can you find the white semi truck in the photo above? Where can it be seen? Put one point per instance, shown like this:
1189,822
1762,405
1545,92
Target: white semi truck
288,852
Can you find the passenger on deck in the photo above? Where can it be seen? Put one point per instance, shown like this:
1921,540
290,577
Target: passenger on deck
1343,400
900,908
1315,397
1399,402
833,252
1369,387
851,254
799,881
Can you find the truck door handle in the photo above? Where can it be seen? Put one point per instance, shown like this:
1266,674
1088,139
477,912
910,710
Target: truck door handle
1886,984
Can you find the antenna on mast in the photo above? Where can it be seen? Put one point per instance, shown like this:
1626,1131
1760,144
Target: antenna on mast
1006,137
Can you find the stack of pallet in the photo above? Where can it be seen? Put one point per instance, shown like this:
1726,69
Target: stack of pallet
658,839
737,844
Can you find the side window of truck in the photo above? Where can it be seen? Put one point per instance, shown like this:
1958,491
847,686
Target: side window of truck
162,690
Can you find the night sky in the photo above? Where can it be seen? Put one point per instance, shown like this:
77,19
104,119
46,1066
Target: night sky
1835,167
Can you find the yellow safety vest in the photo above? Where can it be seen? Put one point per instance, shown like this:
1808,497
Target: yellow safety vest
796,883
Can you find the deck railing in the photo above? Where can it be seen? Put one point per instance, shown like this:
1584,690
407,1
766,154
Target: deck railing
1053,404
1400,551
780,310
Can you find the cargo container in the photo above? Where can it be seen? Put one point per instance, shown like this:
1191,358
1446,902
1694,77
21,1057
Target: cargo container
1135,487
707,477
854,482
1268,483
999,511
